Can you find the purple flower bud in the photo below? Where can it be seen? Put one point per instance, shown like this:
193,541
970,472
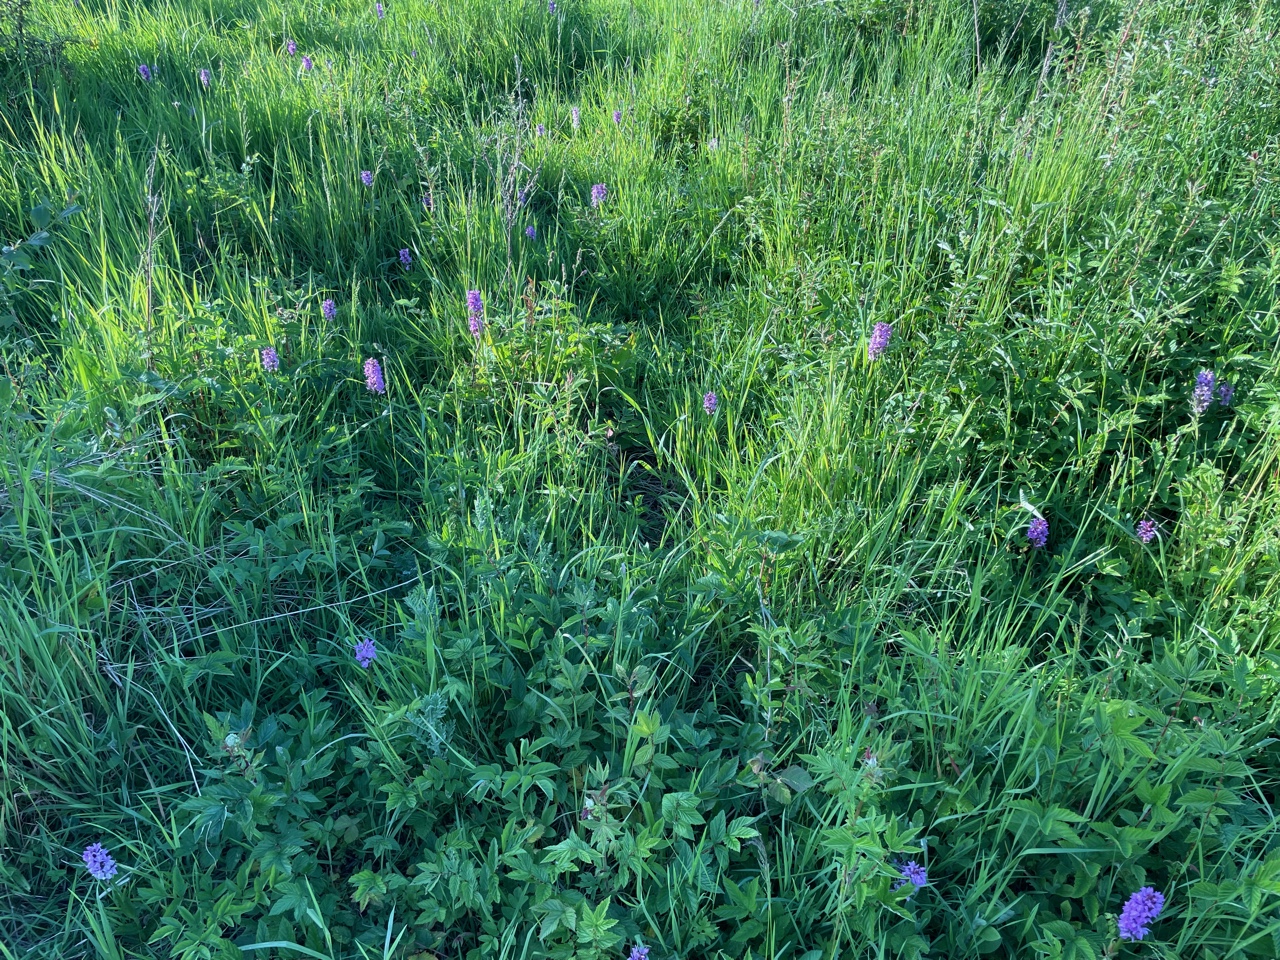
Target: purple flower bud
879,341
328,309
1038,532
270,360
366,652
638,952
551,6
366,177
710,402
291,47
1141,909
429,202
306,62
475,303
476,323
617,116
380,10
406,258
99,862
1226,392
575,117
540,130
599,193
205,79
373,376
1146,530
144,72
1202,396
531,232
913,874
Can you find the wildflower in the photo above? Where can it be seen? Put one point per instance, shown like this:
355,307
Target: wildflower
99,862
531,232
476,323
617,116
710,401
270,360
551,6
639,952
1038,532
380,10
366,177
366,652
406,258
522,197
575,117
328,309
475,303
291,47
1146,530
598,194
205,78
429,202
541,130
1202,396
373,376
713,143
144,72
1141,909
913,874
879,342
1225,393
306,63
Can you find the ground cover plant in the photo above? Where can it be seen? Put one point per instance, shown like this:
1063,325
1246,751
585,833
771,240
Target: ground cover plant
682,479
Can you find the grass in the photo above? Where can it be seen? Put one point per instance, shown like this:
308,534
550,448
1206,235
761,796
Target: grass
645,675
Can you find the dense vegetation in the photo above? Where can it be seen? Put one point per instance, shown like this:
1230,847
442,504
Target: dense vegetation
731,478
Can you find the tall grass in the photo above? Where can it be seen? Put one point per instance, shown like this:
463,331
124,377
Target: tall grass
646,674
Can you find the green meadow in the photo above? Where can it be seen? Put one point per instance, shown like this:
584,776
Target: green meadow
668,479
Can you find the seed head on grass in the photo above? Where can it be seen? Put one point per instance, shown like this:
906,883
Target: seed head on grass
373,376
328,309
1202,395
99,862
1146,530
1140,909
270,360
144,72
599,193
366,652
406,258
366,177
1038,532
710,402
879,342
